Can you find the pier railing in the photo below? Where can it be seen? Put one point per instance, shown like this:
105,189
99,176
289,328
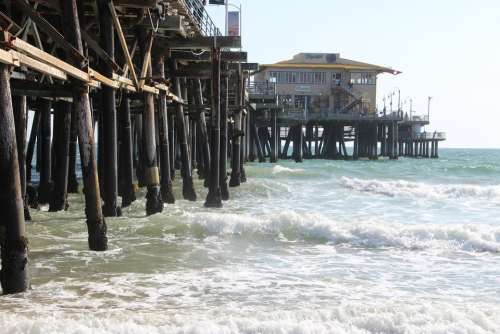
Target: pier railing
424,136
299,114
199,15
261,88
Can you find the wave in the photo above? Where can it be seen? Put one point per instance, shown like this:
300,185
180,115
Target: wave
357,318
401,188
278,169
292,226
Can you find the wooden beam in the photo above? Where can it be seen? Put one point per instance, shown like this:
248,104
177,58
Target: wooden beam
206,43
7,24
123,43
32,88
147,59
46,57
49,29
136,3
100,51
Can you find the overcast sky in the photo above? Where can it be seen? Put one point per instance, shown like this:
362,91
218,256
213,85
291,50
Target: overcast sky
448,49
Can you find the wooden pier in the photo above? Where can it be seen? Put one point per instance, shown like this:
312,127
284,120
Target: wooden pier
136,90
155,81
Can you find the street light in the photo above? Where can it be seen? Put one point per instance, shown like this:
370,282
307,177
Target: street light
429,99
390,96
399,98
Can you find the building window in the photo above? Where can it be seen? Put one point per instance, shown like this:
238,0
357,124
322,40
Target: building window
363,79
301,101
289,77
285,100
336,78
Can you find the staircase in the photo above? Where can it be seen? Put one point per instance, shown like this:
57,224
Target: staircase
348,94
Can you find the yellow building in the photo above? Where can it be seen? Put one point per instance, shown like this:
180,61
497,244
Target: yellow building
324,82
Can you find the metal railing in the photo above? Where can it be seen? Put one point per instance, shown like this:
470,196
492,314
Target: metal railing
200,16
416,118
327,114
261,88
430,135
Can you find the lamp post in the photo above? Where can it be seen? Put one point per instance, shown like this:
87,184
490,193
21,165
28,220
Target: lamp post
390,96
429,99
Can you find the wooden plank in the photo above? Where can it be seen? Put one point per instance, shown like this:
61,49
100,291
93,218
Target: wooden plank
41,67
103,79
49,29
46,57
123,42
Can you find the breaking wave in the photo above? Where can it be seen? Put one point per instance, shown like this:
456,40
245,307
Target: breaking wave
357,318
277,169
401,188
293,226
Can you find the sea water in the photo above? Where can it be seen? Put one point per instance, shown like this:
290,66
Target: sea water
407,246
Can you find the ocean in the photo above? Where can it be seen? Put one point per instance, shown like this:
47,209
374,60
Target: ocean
407,246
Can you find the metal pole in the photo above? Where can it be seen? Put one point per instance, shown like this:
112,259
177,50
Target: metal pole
227,10
429,107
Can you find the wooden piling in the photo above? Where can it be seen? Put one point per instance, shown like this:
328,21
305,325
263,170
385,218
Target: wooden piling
44,188
236,141
14,243
214,199
298,144
108,116
81,103
167,193
274,139
188,191
126,153
62,129
20,107
224,189
31,144
203,137
73,142
154,203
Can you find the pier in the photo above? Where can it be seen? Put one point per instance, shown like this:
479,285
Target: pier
144,93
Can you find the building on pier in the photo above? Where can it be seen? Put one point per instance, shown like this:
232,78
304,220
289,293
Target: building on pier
334,100
314,83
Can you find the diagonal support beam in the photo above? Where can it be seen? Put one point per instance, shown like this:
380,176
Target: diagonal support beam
123,43
49,29
91,41
147,59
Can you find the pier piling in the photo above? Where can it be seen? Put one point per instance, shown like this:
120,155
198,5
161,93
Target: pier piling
14,243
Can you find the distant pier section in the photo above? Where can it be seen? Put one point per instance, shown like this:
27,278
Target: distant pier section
317,102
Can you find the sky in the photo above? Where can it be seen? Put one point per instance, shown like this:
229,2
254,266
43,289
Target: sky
447,49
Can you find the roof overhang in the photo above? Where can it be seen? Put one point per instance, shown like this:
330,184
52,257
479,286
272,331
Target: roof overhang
379,69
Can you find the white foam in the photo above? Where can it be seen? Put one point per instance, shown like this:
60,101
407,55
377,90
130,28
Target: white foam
371,234
277,169
359,318
400,188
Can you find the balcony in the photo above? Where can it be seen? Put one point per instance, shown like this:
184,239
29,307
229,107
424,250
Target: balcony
194,11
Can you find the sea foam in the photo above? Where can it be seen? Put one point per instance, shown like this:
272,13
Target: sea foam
399,188
359,318
370,234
